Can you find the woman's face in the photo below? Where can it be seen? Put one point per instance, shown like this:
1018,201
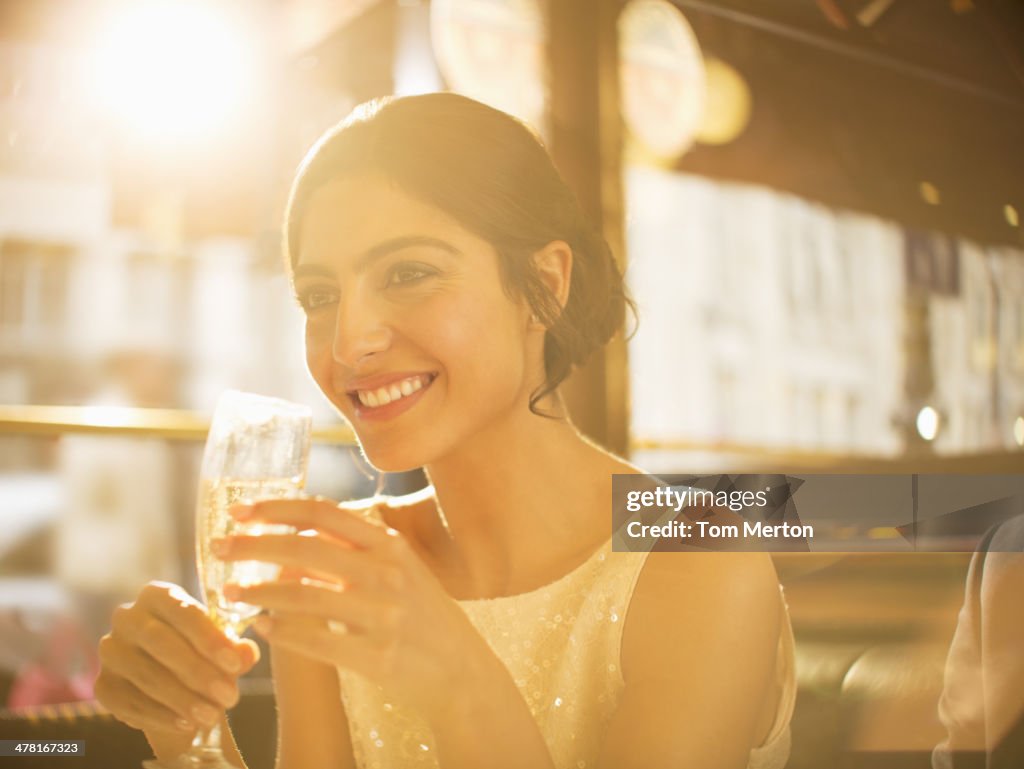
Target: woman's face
408,331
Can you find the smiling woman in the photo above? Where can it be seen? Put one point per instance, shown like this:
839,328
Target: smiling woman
486,172
450,284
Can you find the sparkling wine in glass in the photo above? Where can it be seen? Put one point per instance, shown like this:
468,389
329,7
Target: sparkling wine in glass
257,448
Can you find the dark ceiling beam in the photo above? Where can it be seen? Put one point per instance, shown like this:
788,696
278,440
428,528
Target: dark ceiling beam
861,53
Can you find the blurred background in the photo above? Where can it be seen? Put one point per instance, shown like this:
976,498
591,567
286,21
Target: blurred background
817,204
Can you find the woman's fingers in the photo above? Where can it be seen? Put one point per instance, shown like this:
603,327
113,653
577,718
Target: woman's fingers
134,707
166,647
166,666
316,554
315,639
362,611
318,513
178,610
165,692
249,652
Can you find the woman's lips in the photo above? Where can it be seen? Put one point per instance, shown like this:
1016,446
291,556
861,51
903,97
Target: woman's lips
389,400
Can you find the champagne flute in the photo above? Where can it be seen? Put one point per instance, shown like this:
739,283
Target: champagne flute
257,448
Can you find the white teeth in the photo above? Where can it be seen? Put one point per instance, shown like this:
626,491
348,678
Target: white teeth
382,396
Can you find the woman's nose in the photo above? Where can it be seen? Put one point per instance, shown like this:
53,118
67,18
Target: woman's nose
360,330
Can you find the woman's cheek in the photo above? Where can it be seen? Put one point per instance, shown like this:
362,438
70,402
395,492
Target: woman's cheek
480,343
319,334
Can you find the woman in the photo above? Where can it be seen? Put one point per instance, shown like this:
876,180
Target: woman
450,283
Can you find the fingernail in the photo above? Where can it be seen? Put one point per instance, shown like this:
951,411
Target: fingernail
228,660
223,693
219,546
185,725
241,511
206,714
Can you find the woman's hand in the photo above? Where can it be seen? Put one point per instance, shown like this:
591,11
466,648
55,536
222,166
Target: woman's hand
167,669
398,626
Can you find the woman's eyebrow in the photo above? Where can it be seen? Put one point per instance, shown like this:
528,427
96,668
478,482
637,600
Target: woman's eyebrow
303,270
382,249
391,245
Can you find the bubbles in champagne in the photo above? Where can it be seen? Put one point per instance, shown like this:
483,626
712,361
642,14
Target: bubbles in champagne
216,495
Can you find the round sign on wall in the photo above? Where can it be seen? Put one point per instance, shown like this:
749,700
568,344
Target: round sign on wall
662,80
493,51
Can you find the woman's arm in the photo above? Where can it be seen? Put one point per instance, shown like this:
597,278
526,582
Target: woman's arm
312,728
376,609
698,657
484,721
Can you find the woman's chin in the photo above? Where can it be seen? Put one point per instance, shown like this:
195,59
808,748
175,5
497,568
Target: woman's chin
389,461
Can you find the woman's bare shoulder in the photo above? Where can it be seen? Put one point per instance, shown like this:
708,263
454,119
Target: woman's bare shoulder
701,604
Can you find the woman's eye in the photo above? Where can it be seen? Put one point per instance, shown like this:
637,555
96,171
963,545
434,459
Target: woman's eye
314,299
403,274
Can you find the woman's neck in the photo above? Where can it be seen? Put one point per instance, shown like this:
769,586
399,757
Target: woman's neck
518,497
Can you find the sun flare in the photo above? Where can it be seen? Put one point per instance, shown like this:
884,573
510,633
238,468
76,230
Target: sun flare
171,71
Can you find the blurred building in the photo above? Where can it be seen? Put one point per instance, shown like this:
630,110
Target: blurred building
830,257
795,332
78,284
773,295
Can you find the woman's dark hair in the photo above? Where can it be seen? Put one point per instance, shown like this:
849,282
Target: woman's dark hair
490,173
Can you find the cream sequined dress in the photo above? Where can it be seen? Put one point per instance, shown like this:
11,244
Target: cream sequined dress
561,644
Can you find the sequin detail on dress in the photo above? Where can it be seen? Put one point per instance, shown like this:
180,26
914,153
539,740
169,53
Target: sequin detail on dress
561,646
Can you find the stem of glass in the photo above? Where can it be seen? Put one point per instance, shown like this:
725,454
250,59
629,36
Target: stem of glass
208,740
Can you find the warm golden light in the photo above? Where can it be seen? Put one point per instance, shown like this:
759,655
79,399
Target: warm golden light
928,423
929,193
172,71
728,103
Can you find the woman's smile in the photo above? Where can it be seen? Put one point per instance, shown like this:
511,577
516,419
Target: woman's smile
385,396
405,305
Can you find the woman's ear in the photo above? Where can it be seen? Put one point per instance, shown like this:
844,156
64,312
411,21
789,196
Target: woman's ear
554,266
